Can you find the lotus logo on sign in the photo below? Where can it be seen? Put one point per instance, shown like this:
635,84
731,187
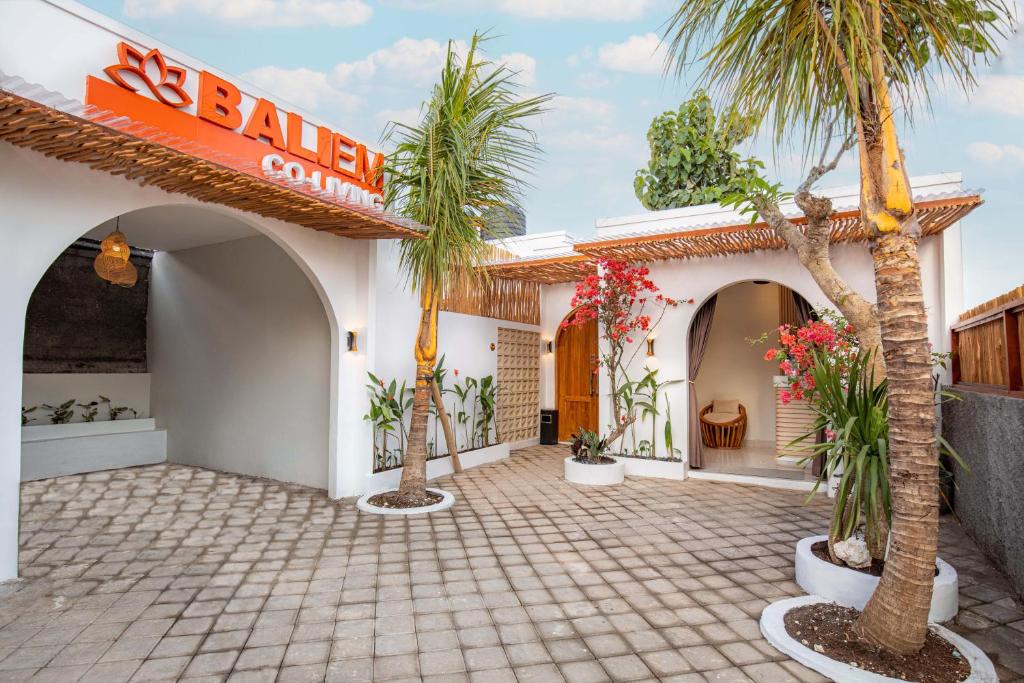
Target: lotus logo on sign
250,134
134,63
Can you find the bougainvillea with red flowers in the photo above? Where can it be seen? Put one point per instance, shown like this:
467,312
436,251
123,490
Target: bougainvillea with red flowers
627,306
831,336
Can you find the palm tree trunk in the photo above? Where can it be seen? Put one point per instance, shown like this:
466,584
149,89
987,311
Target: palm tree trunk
896,617
446,425
414,472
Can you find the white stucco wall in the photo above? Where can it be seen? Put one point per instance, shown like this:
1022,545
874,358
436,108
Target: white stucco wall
464,340
47,204
700,278
732,368
240,358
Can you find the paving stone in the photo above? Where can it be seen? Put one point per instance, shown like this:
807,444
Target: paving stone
168,571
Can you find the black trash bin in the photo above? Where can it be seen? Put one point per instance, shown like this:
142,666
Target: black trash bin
549,427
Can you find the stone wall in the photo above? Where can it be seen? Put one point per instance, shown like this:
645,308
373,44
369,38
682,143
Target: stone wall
77,322
987,431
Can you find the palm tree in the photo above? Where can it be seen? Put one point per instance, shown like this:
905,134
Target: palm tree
812,68
466,156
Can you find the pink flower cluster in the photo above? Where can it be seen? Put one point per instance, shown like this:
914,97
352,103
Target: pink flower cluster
831,337
610,295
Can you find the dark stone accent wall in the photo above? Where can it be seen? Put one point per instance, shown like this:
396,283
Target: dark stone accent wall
987,430
77,322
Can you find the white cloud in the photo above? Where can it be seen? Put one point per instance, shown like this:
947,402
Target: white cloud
991,153
305,87
523,65
1001,94
262,13
598,10
411,61
638,54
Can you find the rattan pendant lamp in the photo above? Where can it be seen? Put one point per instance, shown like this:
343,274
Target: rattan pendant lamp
113,263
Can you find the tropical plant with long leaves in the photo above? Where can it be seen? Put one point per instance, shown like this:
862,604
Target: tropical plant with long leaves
466,156
824,70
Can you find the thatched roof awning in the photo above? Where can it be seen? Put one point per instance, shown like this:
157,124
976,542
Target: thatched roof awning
47,123
548,270
935,215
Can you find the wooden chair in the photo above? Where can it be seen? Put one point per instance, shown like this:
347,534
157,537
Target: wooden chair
716,433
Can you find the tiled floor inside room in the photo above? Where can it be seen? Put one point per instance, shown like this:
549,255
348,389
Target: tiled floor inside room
170,572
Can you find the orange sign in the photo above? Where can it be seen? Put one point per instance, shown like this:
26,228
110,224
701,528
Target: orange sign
254,143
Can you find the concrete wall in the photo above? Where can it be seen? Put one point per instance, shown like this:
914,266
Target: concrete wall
240,358
732,368
986,431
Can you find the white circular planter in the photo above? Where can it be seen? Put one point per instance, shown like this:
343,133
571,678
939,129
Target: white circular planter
774,630
851,588
447,500
594,475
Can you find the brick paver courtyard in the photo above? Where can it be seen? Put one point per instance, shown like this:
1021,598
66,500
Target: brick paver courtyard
170,572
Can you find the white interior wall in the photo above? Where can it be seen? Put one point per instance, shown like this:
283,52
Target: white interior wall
555,305
732,368
240,358
129,389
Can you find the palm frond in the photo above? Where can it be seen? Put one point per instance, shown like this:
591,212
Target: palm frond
799,65
469,153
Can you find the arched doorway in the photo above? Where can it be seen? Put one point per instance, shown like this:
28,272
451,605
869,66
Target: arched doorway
743,428
221,350
576,380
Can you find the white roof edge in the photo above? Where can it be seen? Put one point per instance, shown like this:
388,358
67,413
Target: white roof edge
932,182
539,235
92,16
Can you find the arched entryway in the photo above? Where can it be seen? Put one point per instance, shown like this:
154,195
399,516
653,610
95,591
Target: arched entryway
744,430
219,355
576,380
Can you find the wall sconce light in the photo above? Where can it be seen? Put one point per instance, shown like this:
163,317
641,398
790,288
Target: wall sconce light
549,346
350,340
650,346
492,346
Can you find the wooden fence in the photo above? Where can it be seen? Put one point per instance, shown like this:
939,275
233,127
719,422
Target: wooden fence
987,354
497,297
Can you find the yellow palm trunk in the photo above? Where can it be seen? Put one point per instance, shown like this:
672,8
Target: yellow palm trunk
414,472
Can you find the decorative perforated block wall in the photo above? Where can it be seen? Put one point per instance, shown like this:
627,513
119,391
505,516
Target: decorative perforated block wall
518,384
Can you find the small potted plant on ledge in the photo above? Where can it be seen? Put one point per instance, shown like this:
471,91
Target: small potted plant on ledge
588,463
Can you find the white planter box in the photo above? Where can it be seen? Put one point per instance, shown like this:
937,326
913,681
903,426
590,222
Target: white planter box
773,628
438,467
594,475
58,450
658,469
75,429
851,588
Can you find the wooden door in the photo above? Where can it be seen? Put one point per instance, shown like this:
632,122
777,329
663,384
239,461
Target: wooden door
576,384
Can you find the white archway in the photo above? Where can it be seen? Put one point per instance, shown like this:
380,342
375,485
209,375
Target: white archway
48,204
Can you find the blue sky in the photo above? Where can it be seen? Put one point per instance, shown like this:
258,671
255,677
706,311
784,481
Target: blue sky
359,63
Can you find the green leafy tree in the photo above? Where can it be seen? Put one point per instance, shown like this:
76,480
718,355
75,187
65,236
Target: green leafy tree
822,70
693,157
467,155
